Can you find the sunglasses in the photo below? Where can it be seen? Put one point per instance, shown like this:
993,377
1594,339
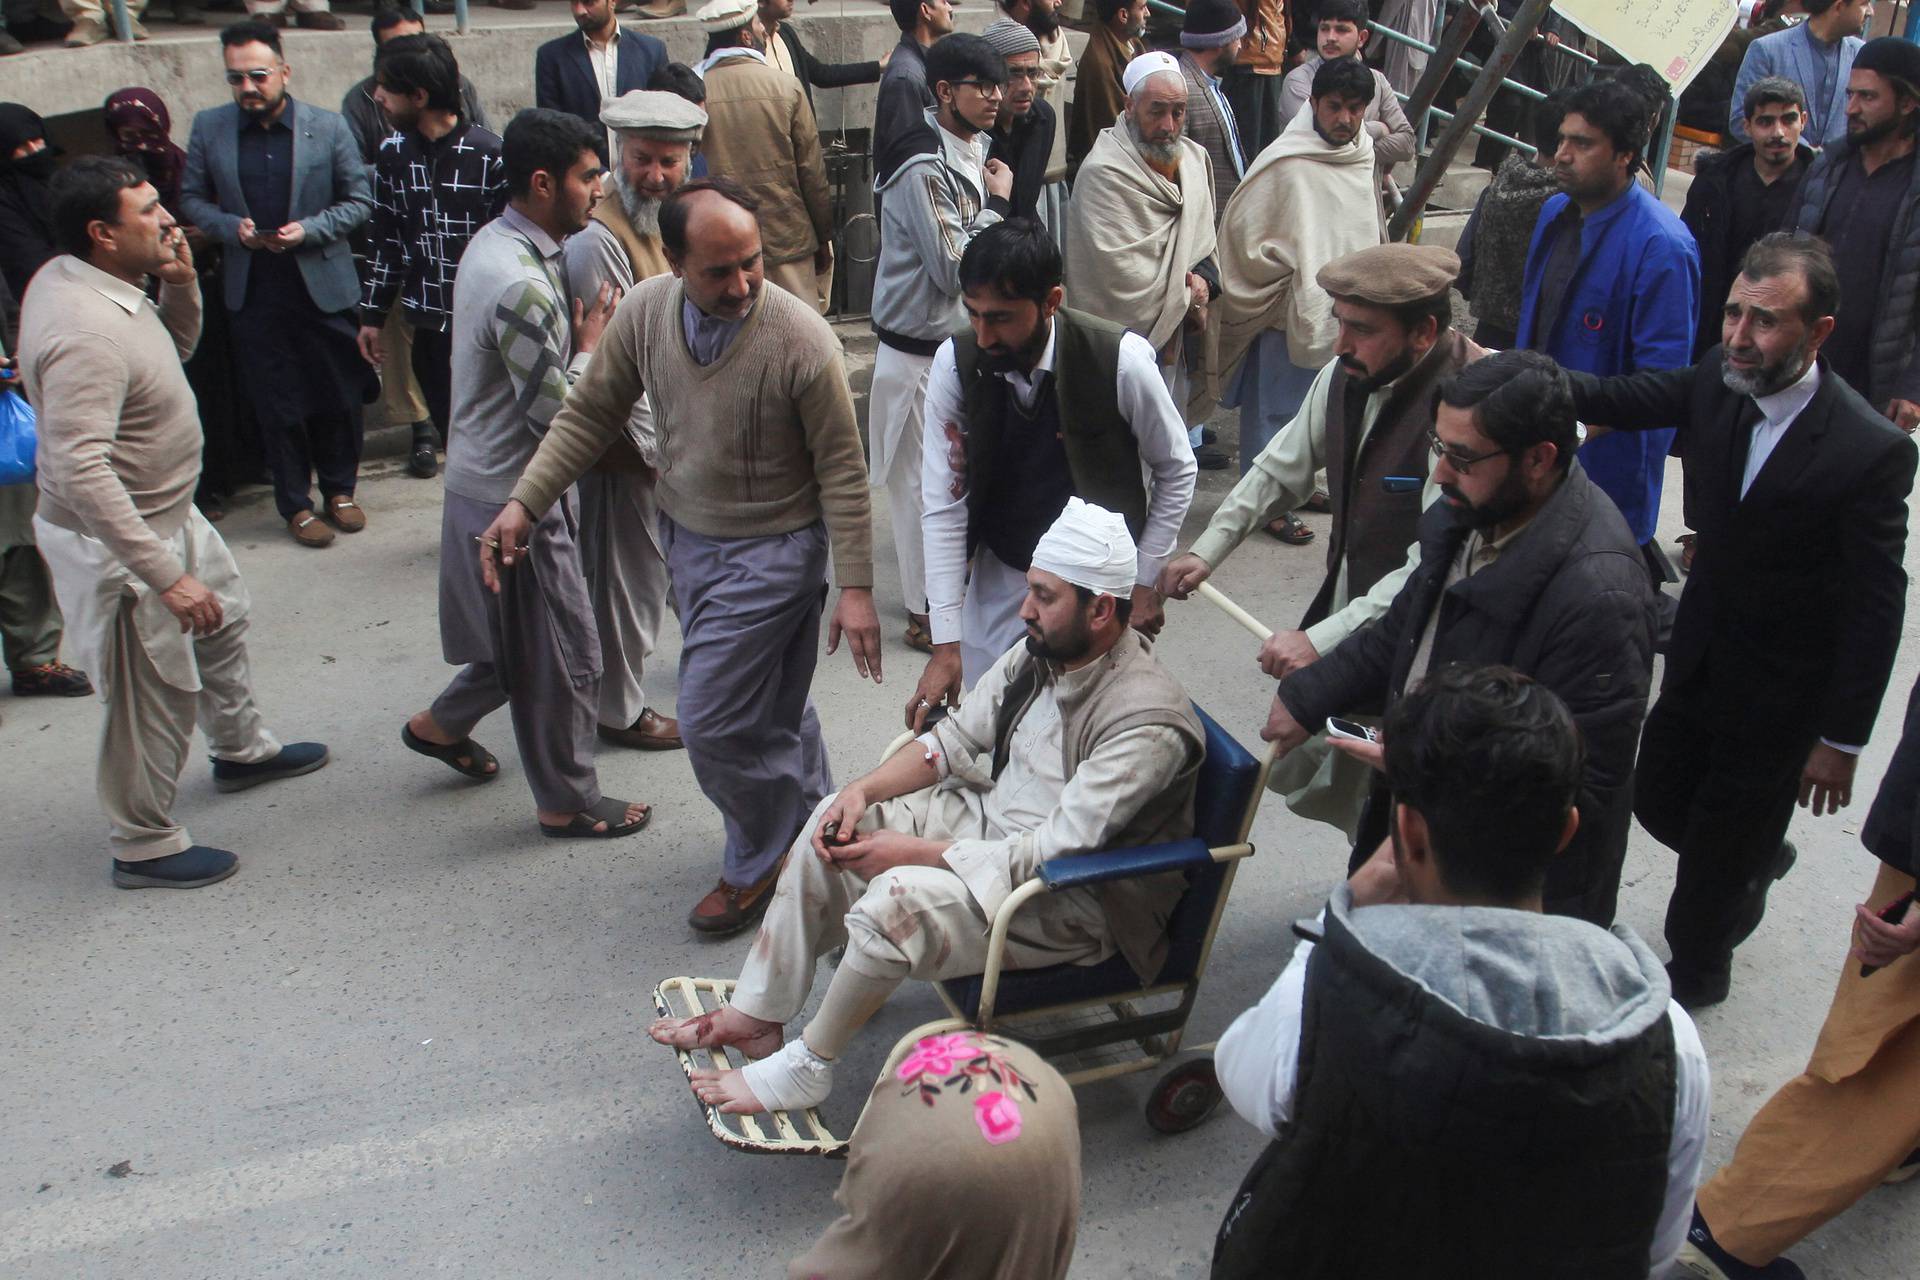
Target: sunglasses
258,75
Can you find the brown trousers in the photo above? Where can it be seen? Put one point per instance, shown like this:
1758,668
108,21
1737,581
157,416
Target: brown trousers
1833,1133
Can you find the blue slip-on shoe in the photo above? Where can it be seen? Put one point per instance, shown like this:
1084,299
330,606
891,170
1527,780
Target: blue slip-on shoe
1702,1256
294,759
188,869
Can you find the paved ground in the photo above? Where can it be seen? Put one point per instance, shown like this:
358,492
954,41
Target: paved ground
408,1034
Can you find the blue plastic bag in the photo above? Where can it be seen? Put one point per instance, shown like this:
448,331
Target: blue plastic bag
16,439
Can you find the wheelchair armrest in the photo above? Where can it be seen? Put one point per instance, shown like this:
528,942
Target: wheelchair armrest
1122,864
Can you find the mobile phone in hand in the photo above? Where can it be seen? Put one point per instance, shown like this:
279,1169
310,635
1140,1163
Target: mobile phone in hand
1893,913
1352,730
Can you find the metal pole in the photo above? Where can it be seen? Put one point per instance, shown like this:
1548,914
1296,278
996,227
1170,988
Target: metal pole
1434,167
122,24
460,16
1662,147
1453,42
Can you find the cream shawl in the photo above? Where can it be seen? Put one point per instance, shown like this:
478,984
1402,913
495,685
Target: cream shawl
1132,236
1302,204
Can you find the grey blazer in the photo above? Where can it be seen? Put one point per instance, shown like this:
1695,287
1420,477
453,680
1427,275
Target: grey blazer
330,198
1789,53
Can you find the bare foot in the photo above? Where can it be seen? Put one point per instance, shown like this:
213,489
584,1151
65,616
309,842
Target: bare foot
726,1090
724,1026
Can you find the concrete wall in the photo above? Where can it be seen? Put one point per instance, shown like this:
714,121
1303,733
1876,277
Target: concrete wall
184,67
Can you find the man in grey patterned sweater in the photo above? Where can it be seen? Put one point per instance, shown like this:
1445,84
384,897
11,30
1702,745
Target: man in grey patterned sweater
514,327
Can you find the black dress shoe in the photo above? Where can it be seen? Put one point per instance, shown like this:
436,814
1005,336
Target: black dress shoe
1209,458
1702,1256
292,760
1788,856
1694,990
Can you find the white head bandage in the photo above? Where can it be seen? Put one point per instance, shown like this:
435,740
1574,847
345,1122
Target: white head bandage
1146,66
1090,547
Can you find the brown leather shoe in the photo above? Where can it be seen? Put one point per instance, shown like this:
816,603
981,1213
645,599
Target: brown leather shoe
727,910
308,531
918,636
346,513
651,732
322,21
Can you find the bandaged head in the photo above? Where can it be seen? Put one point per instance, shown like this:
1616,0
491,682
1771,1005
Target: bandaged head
1146,66
1090,547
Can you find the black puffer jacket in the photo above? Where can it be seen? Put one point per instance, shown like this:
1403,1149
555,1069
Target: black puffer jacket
1708,215
1568,603
1894,369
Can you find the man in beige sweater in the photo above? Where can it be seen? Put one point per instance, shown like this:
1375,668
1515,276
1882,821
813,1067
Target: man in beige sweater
151,595
761,479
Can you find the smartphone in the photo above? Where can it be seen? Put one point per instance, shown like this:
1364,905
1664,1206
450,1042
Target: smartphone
1892,913
1351,729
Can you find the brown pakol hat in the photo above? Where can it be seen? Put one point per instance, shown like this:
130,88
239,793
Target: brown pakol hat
1388,275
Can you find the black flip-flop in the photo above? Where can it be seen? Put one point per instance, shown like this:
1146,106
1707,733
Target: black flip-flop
605,810
1296,533
478,757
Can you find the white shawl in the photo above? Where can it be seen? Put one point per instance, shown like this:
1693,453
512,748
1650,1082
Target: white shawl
1132,236
1302,204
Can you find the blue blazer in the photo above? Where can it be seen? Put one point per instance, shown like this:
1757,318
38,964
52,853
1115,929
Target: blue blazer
563,78
1631,307
1790,53
330,198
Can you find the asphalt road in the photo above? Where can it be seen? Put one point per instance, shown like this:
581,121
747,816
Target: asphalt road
408,1035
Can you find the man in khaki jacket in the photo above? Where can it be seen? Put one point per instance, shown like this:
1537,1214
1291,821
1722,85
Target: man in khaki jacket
762,135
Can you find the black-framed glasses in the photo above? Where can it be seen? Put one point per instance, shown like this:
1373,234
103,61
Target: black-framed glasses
1026,75
1455,458
256,74
985,90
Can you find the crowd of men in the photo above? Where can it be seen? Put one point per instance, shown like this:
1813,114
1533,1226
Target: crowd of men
608,318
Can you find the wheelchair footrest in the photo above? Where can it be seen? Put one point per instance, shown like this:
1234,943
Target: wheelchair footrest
772,1133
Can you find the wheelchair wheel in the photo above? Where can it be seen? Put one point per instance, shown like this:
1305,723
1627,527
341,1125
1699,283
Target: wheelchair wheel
1184,1098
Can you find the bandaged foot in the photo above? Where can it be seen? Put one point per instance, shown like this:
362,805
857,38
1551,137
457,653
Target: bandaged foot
791,1080
724,1026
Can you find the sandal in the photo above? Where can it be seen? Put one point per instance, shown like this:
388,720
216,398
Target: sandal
1320,502
1292,530
581,827
918,637
1687,543
477,757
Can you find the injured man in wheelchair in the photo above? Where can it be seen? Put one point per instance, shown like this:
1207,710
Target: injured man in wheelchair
1076,740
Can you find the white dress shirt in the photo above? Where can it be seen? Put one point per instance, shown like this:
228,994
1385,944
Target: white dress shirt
1258,1059
1159,432
604,59
1780,408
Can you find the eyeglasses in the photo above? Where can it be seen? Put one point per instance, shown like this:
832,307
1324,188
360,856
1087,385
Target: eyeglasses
985,90
1016,75
256,74
1455,458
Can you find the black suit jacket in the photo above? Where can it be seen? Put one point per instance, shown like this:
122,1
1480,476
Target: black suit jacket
815,74
563,78
1793,610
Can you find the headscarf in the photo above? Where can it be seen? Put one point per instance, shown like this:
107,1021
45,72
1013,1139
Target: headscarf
964,1166
141,114
26,205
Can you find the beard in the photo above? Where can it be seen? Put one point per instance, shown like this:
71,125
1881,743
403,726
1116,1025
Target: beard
1869,134
1164,154
642,210
1359,378
1070,645
1768,378
1019,359
1508,501
1044,24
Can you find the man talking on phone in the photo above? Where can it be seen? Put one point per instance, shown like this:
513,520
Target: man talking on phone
279,182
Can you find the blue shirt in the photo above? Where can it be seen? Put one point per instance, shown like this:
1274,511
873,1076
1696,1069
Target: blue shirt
265,161
1630,305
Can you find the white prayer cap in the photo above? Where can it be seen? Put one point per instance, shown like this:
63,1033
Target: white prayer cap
1146,66
657,114
1090,547
725,15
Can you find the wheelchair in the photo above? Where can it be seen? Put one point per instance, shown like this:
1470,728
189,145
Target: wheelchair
1067,1010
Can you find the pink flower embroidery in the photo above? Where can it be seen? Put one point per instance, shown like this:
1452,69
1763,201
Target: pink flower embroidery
998,1117
935,1055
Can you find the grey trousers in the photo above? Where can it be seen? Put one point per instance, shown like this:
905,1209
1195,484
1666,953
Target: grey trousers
29,615
627,578
532,647
750,636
